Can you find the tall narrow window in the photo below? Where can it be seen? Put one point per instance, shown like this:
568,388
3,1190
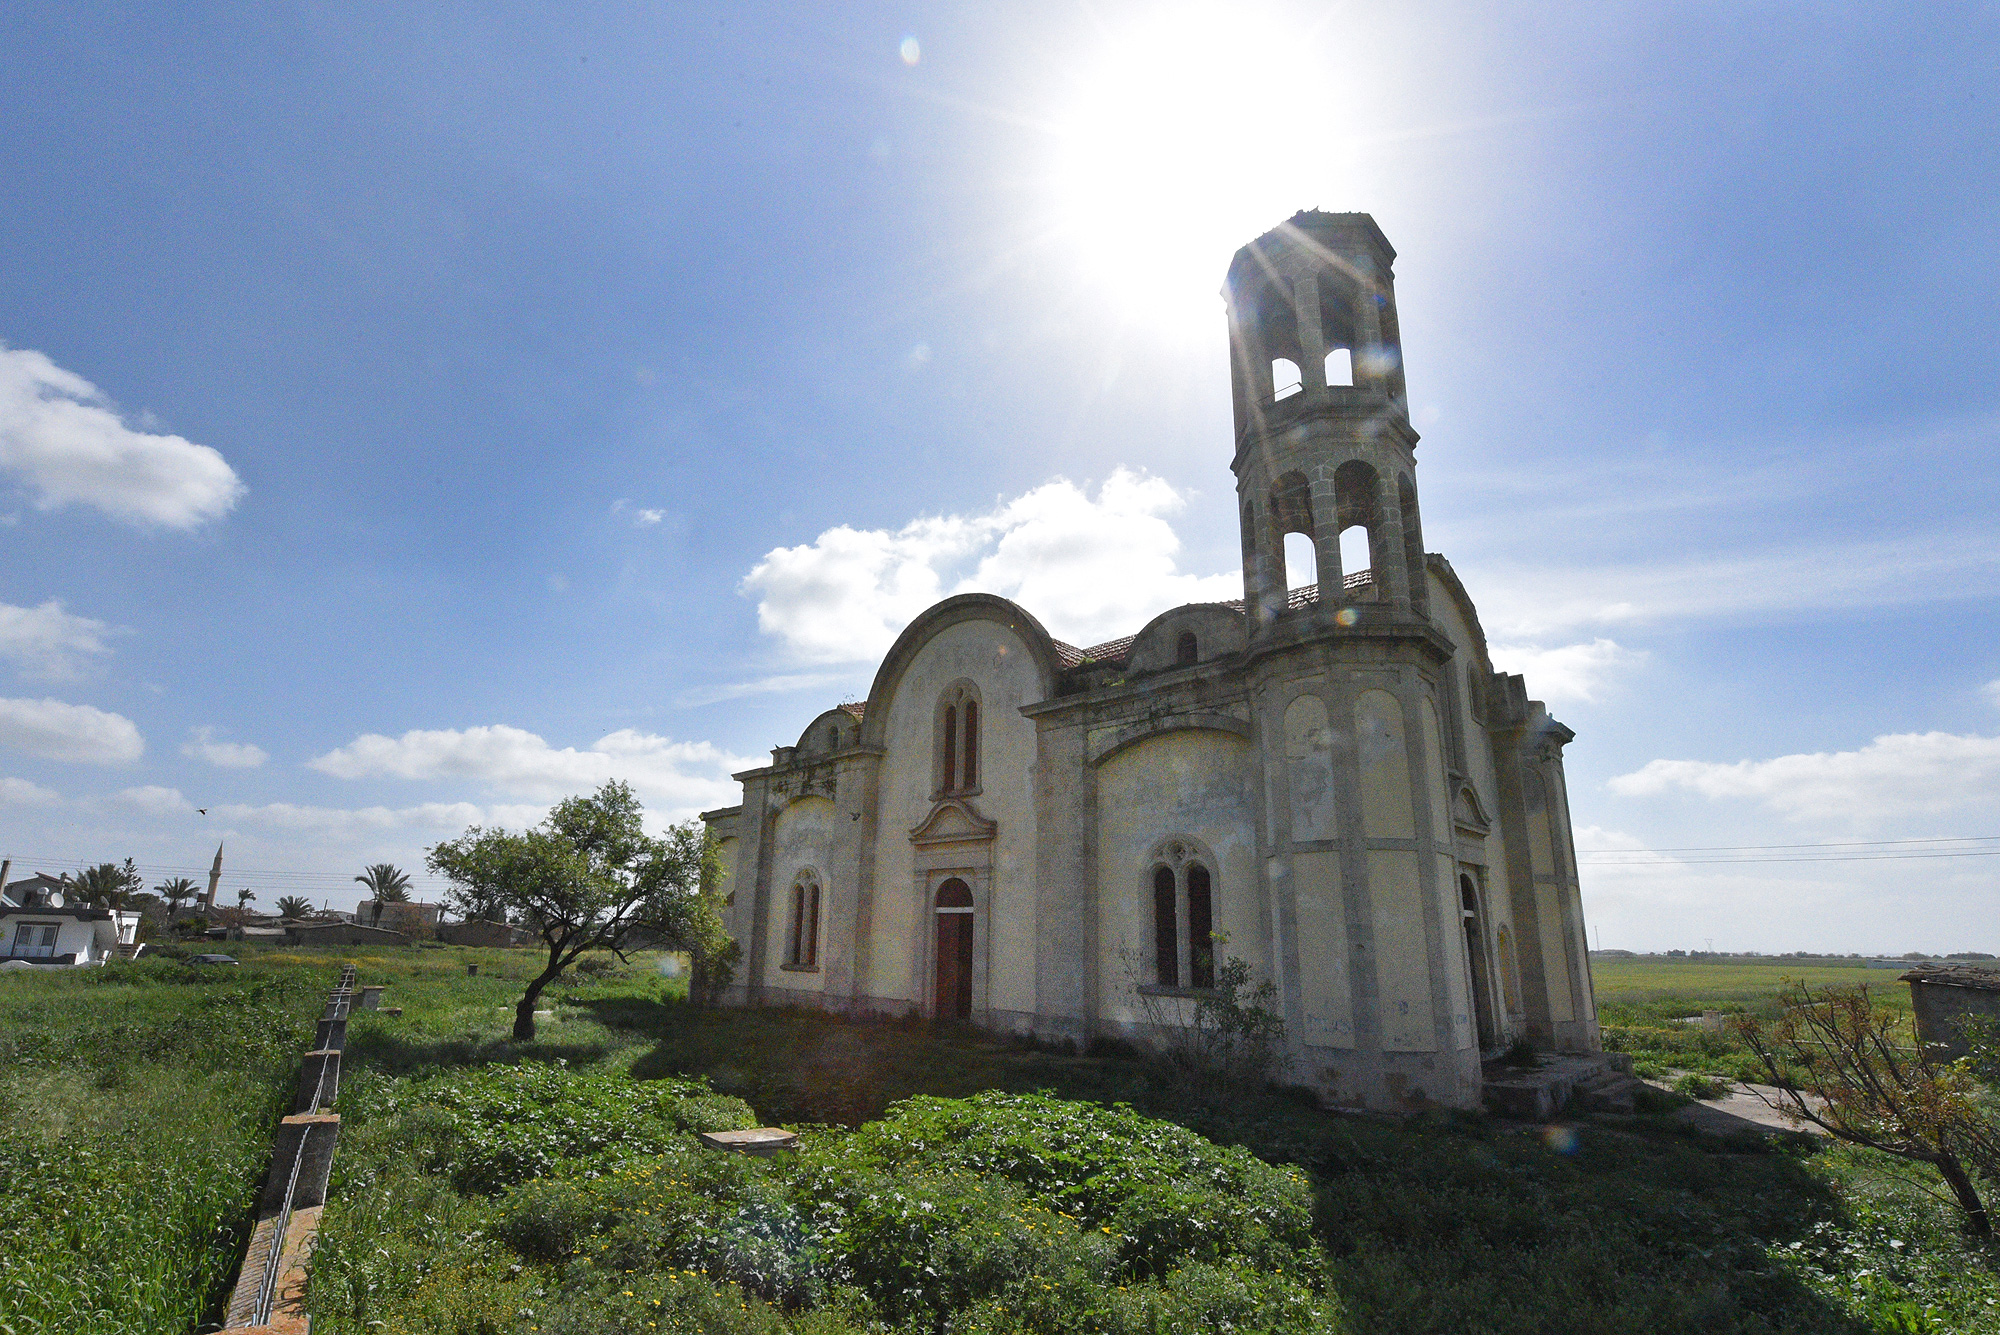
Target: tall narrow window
802,935
1201,924
957,752
970,762
1183,917
1166,928
950,784
1186,650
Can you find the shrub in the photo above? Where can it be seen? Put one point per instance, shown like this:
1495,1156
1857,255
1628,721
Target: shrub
493,1127
1694,1085
1104,1167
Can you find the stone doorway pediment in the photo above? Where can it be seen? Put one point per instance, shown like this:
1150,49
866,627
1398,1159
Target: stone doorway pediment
953,821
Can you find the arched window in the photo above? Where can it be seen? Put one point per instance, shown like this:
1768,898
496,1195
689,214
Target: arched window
958,740
1186,650
1183,917
802,941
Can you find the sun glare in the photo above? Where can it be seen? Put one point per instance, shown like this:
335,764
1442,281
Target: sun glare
1196,129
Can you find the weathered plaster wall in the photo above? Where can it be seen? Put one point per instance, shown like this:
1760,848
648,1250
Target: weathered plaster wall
996,660
1192,784
803,839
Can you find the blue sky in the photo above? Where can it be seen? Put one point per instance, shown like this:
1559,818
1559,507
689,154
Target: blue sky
410,416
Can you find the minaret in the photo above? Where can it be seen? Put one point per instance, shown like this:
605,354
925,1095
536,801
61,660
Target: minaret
1323,437
214,877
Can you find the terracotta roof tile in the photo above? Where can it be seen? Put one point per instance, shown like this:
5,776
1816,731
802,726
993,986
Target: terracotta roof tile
855,707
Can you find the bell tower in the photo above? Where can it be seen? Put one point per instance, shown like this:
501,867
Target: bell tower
1323,436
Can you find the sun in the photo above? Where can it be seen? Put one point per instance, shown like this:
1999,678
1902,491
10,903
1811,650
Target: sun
1193,130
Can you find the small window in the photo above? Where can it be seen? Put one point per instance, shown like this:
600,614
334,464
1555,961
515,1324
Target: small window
1186,650
1285,380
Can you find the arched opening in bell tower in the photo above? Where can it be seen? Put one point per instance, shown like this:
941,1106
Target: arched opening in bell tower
1292,525
1355,488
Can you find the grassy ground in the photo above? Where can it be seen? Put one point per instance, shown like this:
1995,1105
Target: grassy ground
136,1109
1641,1004
1447,1223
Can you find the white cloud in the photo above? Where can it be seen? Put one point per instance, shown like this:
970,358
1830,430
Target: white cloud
1992,691
639,516
339,821
1568,672
65,443
1899,775
21,793
1528,603
681,777
228,755
157,801
736,690
57,731
48,642
1090,568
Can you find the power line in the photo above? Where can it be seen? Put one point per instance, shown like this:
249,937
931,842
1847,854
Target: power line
1854,843
1587,860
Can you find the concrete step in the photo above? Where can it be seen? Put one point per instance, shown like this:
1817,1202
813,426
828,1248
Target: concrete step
1592,1082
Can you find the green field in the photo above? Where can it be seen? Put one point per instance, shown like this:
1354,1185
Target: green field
484,1186
1441,1223
1641,1003
136,1110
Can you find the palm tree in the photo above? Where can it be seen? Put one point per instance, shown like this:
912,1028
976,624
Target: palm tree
389,885
244,896
294,906
103,886
176,893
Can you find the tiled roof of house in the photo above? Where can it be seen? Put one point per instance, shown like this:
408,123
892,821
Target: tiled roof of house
858,708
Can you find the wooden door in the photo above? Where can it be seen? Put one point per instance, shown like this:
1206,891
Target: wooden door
954,966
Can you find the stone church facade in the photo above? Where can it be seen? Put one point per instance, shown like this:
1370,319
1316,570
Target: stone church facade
1328,781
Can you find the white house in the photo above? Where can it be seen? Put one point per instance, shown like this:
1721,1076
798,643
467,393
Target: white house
56,934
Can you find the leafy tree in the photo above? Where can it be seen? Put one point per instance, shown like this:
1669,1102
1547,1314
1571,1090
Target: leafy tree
107,885
294,906
386,883
176,893
1855,1070
587,878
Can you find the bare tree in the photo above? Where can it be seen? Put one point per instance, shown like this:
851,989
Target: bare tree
1855,1070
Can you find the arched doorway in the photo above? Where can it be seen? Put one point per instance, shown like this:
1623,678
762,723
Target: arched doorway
954,951
1475,954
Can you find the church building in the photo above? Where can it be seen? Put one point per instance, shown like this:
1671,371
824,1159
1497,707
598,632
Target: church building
1328,781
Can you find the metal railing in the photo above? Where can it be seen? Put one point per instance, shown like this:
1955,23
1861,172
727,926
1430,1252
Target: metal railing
281,1225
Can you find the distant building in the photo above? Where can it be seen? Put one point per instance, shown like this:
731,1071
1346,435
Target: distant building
341,934
409,916
480,932
1941,995
63,935
36,889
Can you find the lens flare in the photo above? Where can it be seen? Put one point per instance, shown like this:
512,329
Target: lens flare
1194,129
1346,616
1561,1139
911,52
